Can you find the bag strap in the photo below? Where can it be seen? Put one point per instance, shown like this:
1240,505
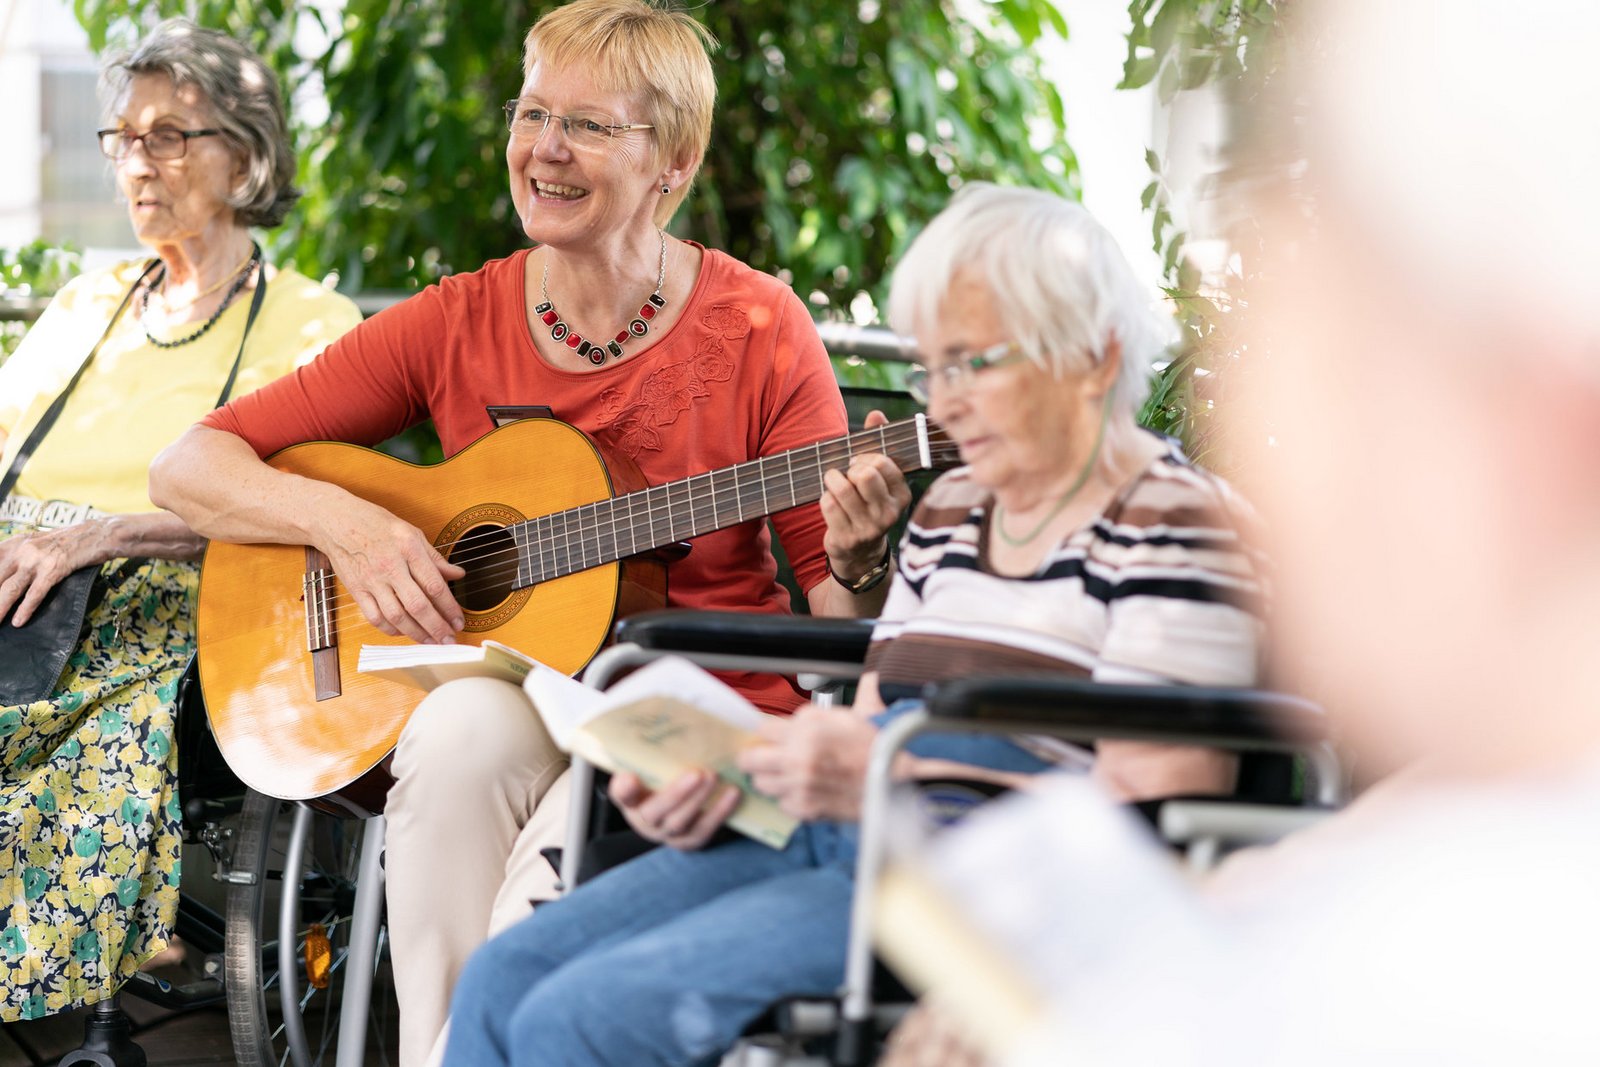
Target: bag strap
52,413
250,320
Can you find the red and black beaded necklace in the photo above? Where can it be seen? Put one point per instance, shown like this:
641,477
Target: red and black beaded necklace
596,353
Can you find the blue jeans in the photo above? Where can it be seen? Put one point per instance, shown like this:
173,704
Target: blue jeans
666,959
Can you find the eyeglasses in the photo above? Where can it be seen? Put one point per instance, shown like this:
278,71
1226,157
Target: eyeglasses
960,371
584,129
163,142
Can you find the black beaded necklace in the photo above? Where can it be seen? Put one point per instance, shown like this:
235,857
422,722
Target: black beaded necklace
596,352
227,298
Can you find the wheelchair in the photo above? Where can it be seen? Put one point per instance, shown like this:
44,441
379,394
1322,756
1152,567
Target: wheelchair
1289,779
297,951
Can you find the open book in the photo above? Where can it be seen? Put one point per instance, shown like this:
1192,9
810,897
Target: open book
658,723
430,666
666,719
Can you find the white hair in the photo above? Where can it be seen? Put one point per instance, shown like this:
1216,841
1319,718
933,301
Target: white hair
1056,277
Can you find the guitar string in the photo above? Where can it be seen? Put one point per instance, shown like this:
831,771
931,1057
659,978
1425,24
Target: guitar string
552,548
828,453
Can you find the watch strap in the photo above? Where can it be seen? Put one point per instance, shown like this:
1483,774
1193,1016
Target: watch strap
870,580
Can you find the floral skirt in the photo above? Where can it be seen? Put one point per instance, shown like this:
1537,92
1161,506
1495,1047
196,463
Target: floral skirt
89,820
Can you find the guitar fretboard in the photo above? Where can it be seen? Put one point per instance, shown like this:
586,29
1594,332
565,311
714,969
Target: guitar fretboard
577,539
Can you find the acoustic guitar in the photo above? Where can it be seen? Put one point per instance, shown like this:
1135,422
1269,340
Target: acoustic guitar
558,541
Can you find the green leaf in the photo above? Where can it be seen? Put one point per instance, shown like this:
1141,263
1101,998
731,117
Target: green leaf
411,157
1167,83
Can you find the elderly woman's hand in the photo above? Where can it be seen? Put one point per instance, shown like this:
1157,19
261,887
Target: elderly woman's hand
32,564
398,579
861,505
684,814
813,763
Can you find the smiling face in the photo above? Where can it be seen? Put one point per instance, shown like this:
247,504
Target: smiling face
1018,426
174,200
574,197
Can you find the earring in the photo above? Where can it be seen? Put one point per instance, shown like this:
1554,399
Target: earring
665,189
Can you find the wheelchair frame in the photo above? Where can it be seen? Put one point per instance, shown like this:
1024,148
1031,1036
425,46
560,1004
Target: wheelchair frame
1236,719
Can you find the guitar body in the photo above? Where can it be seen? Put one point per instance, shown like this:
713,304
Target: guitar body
268,696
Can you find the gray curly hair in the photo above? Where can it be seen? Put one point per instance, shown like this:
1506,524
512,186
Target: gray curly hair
243,95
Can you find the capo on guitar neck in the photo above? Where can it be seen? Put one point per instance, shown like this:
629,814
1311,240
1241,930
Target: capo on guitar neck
500,414
666,554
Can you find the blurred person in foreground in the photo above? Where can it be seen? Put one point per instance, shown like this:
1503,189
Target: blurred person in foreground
669,354
1070,542
1434,394
89,816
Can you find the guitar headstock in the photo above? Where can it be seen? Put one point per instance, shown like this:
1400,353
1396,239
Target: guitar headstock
944,452
915,444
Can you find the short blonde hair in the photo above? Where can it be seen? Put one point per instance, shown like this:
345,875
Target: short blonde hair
637,46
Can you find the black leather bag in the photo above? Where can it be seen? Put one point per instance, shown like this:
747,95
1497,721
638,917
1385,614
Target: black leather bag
33,656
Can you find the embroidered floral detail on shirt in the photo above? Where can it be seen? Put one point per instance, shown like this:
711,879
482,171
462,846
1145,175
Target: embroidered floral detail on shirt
667,392
729,320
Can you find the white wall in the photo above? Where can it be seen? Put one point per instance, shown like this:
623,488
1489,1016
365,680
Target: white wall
43,50
1108,128
19,122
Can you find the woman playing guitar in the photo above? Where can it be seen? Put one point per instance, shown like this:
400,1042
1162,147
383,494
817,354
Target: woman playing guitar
676,357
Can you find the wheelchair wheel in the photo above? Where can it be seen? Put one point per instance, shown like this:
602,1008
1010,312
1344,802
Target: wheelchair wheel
289,924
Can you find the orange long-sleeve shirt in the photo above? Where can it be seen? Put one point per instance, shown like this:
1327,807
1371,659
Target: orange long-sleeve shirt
742,374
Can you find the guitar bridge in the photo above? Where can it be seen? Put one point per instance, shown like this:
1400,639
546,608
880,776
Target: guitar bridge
319,617
321,640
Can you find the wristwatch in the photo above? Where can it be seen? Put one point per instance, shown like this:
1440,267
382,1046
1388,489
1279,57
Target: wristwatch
868,581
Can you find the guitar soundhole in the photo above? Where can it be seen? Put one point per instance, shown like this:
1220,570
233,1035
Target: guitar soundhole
489,556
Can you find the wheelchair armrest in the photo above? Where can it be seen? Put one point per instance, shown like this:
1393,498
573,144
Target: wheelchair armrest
748,634
1240,719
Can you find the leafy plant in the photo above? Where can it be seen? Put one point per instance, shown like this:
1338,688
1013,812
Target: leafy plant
1233,46
35,270
841,126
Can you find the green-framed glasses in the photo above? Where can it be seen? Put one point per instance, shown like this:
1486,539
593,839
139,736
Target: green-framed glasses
961,370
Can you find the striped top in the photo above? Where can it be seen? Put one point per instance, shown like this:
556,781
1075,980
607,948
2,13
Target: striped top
1162,587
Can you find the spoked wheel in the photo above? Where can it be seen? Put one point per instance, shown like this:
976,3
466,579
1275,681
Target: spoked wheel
292,938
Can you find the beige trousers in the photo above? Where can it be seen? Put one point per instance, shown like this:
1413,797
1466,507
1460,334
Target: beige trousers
476,797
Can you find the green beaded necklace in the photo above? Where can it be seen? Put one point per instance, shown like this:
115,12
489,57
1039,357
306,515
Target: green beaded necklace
1066,497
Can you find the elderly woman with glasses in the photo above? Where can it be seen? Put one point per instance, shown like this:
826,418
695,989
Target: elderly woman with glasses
1071,542
664,352
121,361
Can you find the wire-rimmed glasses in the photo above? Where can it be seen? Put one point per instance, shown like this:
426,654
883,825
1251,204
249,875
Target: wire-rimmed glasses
584,129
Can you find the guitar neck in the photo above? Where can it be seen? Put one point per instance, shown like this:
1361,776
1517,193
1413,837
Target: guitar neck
577,539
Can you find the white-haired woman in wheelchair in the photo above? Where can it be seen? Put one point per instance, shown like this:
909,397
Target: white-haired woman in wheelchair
1071,542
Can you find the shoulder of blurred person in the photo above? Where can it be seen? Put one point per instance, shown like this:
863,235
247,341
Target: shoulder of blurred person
1441,920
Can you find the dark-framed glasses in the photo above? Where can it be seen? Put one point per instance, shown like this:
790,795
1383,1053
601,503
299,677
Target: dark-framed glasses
584,129
163,142
959,372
